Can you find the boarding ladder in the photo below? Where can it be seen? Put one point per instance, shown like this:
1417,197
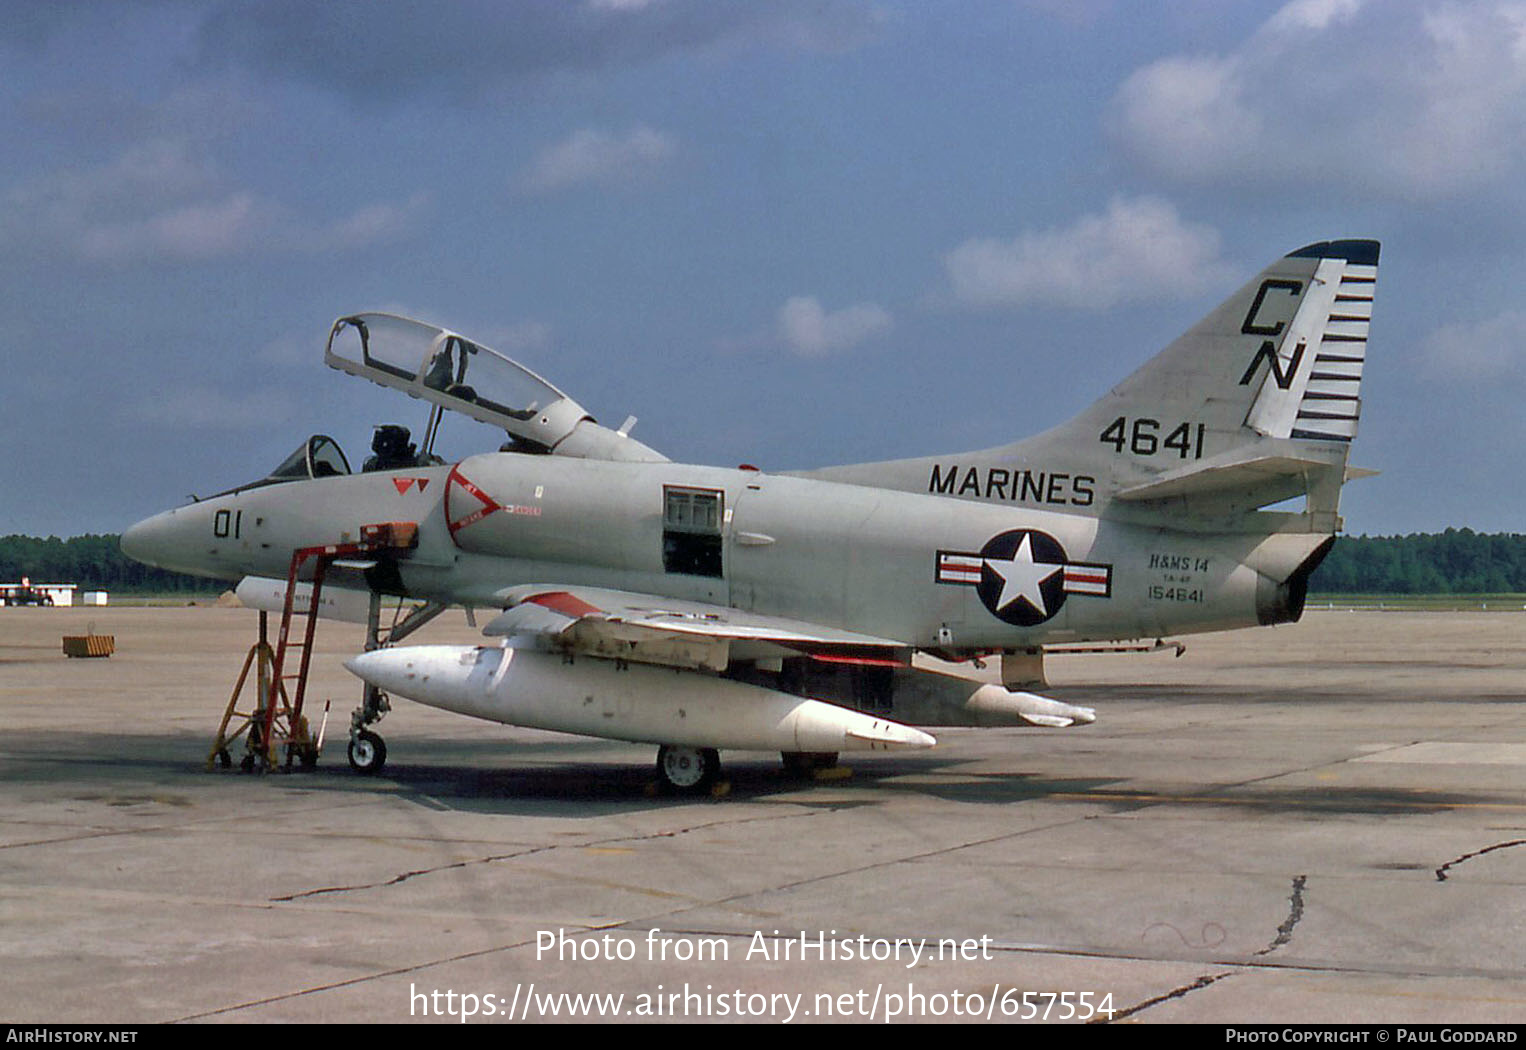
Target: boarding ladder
276,724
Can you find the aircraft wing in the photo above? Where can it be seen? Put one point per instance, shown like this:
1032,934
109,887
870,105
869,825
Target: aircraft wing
644,628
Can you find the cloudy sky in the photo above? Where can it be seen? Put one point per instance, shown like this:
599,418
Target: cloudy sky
791,233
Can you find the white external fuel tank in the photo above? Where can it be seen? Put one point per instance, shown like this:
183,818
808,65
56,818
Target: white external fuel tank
637,702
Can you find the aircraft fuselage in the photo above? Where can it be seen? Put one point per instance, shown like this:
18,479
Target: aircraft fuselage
932,571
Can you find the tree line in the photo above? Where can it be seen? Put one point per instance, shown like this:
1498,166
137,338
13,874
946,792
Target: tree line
1457,561
96,563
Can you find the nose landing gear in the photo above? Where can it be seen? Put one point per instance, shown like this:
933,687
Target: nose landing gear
368,752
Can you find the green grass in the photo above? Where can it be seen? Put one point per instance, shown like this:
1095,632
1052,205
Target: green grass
1420,602
156,598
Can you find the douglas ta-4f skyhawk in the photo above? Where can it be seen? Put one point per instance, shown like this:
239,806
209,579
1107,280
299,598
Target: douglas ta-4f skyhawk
701,608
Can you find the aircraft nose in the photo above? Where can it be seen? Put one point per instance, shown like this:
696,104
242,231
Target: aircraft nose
153,541
137,541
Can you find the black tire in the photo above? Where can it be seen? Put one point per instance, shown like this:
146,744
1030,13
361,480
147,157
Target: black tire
687,770
368,752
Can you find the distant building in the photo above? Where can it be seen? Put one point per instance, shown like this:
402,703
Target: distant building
28,593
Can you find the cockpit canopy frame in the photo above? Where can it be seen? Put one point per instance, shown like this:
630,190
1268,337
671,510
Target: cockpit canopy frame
318,457
446,369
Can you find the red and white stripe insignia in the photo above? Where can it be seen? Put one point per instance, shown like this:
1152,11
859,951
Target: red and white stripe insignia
1089,579
959,568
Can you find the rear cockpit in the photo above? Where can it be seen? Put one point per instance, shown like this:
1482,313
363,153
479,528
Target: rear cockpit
455,373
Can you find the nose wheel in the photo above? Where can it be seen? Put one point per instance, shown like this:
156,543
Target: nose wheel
687,770
368,752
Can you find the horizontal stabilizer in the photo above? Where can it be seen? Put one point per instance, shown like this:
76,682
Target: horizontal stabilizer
1269,465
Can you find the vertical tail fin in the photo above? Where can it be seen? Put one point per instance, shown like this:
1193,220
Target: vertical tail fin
1281,424
1320,402
1255,404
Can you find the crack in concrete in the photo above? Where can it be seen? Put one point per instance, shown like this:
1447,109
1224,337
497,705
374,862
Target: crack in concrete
1175,993
405,876
1295,913
860,869
299,993
1284,935
531,851
1441,872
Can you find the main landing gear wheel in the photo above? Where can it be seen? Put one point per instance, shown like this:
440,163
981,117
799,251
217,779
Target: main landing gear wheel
687,770
368,753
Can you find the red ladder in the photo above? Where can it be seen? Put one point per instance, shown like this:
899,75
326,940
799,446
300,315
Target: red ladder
283,704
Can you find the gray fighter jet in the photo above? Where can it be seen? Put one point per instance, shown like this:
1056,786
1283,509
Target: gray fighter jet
702,608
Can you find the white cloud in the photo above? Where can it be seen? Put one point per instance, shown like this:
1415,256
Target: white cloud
1312,14
1404,98
810,331
1075,12
158,202
201,407
1138,249
202,230
370,224
515,339
292,350
1486,351
590,156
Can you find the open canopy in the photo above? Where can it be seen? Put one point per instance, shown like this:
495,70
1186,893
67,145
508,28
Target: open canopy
454,372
